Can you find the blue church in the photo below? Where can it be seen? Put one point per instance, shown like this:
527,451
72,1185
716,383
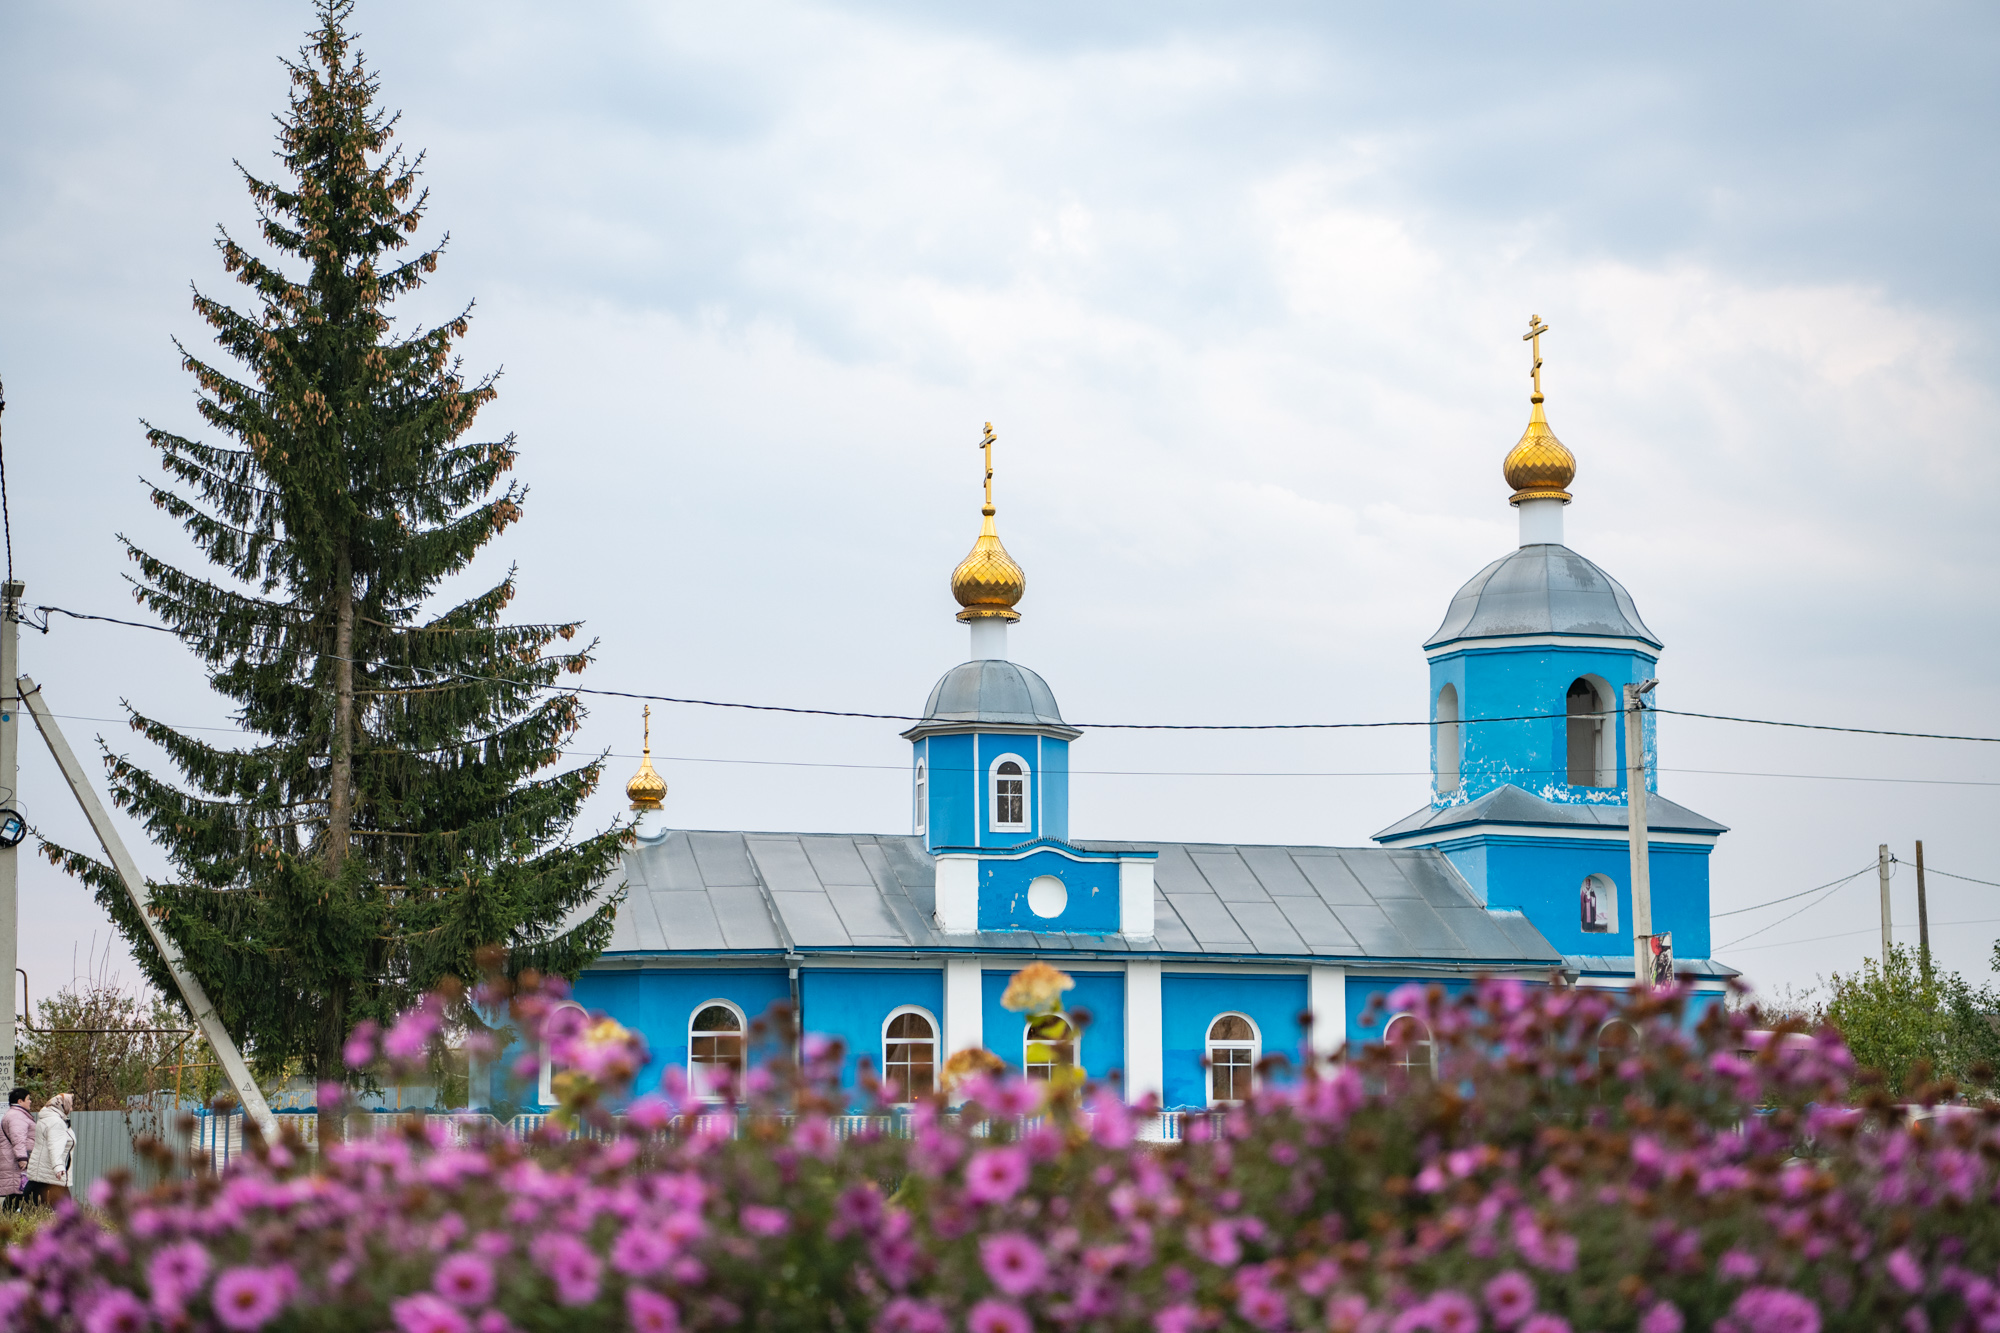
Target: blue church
1192,960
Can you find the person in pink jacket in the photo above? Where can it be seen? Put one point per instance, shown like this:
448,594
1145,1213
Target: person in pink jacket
17,1140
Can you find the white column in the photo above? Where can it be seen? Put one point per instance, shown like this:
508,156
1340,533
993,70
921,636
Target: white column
1145,1032
1135,898
1326,998
963,998
1541,522
989,639
958,894
10,750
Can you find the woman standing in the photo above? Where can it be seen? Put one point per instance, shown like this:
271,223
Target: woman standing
55,1145
17,1141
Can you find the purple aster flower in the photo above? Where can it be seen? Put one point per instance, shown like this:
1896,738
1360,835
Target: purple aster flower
464,1279
249,1298
1737,1265
428,1313
1662,1317
175,1273
761,1221
360,1048
651,1312
907,1314
1545,1323
117,1311
1775,1310
1015,1263
1261,1306
571,1266
1510,1297
641,1250
991,1316
1453,1312
1177,1319
1904,1268
996,1175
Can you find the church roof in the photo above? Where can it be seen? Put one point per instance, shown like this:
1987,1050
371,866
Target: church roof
993,693
1510,805
702,893
1541,589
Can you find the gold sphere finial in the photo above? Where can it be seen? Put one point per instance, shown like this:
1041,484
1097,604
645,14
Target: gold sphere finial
647,788
1538,467
987,583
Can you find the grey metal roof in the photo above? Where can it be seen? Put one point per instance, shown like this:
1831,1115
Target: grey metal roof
991,692
699,892
1541,589
1621,965
1511,805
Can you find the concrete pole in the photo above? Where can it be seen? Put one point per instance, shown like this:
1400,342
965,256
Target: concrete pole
1635,804
1882,872
1923,917
10,779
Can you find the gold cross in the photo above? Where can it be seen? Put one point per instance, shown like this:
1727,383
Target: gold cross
987,444
647,713
1534,335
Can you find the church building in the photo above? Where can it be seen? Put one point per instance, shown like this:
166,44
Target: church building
1192,960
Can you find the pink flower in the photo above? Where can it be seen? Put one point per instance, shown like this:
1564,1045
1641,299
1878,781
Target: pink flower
571,1266
1346,1313
1510,1297
996,1175
859,1208
249,1298
991,1316
1904,1268
1545,1323
360,1048
761,1221
1014,1263
117,1311
906,1314
1775,1310
1177,1319
642,1250
651,1312
1662,1317
1737,1265
1261,1306
175,1274
464,1279
427,1313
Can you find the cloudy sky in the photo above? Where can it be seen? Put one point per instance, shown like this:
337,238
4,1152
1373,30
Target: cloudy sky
1241,289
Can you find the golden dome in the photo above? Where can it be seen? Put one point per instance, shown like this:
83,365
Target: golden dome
1539,467
987,582
647,788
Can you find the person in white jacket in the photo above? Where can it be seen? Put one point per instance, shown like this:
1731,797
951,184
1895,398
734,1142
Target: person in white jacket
55,1146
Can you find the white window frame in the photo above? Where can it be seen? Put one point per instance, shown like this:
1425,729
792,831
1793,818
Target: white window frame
698,1083
1430,1041
1075,1045
1211,1044
1611,913
993,821
1448,713
545,1085
936,1041
923,796
1604,750
1631,1047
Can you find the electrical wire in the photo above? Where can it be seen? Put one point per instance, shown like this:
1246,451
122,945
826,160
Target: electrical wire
467,678
1867,930
1831,889
1933,870
1738,911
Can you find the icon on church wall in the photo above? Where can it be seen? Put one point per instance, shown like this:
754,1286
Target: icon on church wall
1663,959
1599,905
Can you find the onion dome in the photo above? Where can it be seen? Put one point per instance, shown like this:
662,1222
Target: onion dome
1540,467
991,695
1542,589
987,583
647,788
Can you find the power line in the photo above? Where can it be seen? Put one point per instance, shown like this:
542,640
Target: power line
1738,911
1830,891
1089,726
1933,870
1867,930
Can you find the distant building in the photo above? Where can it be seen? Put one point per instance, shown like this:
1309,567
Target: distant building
1194,960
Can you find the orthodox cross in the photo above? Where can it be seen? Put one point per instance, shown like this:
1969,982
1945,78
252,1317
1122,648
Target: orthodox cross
647,714
987,444
1534,336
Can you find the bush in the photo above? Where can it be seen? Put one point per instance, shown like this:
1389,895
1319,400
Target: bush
1545,1180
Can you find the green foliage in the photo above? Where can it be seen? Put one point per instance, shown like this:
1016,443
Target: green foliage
1914,1024
106,1046
395,815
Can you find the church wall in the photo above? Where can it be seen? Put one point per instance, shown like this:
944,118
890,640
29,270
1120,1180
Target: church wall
1054,789
1543,877
1191,1001
659,1003
955,782
1102,993
853,1004
1366,1030
1092,908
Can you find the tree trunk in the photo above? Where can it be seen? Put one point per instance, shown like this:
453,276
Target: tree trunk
340,770
331,1066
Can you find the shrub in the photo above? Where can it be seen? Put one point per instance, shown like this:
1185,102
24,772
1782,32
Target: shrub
1542,1182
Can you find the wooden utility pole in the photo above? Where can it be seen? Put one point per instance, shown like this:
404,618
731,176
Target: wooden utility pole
1635,805
1882,873
1923,917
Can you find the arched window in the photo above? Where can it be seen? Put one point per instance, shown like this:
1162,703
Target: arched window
1447,740
1592,744
1411,1048
564,1020
1233,1050
1598,905
1051,1042
1617,1041
909,1054
1009,795
923,794
715,1050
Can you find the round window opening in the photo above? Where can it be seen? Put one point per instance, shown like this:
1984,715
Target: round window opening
1047,896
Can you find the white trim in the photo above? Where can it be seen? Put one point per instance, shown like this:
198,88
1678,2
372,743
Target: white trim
957,893
1209,1045
1600,832
1135,899
964,982
936,1044
923,795
1430,1036
1326,1001
1607,644
545,1085
696,1083
1075,1044
1145,1031
1604,747
994,824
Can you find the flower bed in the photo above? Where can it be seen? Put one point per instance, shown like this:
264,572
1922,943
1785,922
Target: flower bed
1543,1182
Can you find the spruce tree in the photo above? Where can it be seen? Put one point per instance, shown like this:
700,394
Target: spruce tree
405,805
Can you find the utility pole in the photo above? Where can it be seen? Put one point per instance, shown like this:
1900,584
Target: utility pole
1882,873
1635,805
1923,917
10,779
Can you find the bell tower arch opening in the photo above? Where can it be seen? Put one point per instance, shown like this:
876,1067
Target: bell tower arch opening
1592,739
1446,740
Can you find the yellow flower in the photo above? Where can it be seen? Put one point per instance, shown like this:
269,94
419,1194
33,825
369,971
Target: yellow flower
972,1060
1035,988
